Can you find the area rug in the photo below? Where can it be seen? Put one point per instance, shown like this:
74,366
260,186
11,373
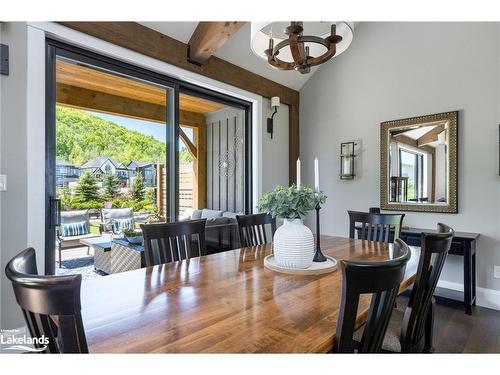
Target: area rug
83,266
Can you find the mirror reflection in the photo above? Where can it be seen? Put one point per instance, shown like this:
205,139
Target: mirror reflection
419,163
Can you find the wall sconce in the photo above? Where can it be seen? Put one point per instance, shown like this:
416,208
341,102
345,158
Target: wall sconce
275,103
347,156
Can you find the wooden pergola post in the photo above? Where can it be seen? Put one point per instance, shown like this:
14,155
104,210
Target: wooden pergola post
200,167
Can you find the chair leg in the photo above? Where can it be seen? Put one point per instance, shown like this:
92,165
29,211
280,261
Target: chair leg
59,248
88,250
429,328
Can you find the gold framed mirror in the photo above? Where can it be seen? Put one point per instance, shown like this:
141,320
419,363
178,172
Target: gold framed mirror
418,163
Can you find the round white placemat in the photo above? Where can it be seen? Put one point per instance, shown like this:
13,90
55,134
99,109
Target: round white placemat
317,268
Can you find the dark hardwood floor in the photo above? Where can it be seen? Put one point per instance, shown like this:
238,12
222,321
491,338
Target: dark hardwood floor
456,332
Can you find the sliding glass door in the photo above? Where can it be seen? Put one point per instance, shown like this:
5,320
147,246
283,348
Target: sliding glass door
110,140
129,141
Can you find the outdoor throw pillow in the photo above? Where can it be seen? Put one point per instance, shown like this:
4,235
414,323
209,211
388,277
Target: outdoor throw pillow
74,229
119,225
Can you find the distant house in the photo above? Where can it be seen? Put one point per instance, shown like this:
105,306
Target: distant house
101,166
147,169
66,173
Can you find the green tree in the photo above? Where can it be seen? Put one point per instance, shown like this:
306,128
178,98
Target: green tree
87,189
138,187
111,185
185,157
150,196
82,136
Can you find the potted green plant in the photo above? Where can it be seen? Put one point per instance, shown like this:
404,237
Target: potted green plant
293,243
132,236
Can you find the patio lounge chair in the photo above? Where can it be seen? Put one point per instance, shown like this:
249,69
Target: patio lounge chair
75,226
108,215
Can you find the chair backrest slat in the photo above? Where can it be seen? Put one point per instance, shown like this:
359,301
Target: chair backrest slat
433,252
252,229
382,280
48,304
174,241
264,235
375,226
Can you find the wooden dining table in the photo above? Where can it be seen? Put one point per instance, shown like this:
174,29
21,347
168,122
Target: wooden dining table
225,303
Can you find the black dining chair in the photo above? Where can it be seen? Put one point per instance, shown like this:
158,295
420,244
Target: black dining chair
375,226
171,242
252,229
418,319
50,304
382,281
410,330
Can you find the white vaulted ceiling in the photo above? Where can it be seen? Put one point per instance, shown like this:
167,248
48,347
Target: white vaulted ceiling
237,51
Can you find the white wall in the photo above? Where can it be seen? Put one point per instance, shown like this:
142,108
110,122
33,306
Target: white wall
400,70
274,151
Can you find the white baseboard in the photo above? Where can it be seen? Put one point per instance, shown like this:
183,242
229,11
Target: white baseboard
489,298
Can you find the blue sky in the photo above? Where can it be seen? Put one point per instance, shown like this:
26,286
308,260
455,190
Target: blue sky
145,127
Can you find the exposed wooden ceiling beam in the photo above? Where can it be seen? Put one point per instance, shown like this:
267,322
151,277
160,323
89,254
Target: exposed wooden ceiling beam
210,36
146,41
189,145
401,138
431,135
78,97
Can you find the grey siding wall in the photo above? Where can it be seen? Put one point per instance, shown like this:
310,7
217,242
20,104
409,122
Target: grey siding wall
226,160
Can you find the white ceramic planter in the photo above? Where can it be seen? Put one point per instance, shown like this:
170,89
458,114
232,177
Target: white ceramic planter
293,245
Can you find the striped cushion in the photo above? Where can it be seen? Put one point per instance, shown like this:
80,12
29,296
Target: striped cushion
74,229
120,225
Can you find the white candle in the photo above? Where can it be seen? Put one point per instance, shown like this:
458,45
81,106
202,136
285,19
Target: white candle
316,174
298,173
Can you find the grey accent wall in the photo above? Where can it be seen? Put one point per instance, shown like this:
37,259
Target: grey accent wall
226,160
400,70
13,163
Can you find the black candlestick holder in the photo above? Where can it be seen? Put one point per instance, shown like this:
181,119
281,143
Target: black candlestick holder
318,255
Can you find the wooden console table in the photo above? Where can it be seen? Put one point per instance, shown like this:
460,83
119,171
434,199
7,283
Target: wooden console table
464,244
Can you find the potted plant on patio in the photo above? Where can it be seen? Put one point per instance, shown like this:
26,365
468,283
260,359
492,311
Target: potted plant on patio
293,243
133,236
